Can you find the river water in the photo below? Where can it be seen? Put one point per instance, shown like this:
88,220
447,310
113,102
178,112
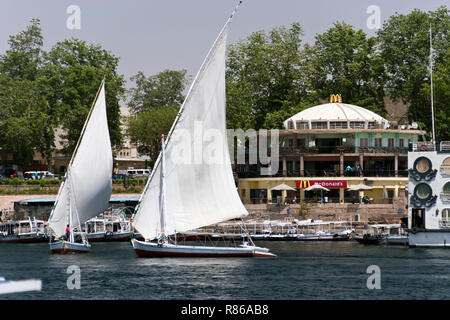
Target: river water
321,270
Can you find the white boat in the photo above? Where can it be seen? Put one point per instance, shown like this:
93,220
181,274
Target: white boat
87,185
318,230
23,231
185,191
108,227
429,195
9,286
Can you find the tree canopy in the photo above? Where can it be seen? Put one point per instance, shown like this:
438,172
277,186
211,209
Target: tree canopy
41,91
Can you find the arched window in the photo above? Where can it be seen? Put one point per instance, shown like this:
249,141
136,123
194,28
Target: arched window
445,195
445,218
445,166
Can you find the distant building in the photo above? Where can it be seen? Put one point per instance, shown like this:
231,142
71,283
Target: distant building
126,158
338,146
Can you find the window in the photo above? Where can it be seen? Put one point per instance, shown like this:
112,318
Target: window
363,142
422,165
446,189
357,125
423,191
378,142
290,125
445,214
338,125
372,125
302,125
445,166
319,125
401,143
390,142
300,142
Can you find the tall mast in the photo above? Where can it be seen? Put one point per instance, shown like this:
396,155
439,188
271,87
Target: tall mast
162,190
433,137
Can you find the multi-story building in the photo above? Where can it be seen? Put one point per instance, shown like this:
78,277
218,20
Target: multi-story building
338,146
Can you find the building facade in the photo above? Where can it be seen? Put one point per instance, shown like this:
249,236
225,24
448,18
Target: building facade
338,146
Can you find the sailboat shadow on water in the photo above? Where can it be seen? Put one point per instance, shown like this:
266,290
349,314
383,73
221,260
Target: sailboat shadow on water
183,194
86,189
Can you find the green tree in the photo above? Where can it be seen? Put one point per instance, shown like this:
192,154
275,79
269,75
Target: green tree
345,61
22,101
441,97
265,76
145,129
405,50
73,72
24,58
163,89
22,118
154,104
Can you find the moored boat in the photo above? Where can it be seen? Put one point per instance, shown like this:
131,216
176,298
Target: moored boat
23,231
108,228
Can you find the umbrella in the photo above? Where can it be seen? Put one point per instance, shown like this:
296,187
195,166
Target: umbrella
359,187
282,186
317,186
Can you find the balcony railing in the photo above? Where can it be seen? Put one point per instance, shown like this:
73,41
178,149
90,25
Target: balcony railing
340,149
326,173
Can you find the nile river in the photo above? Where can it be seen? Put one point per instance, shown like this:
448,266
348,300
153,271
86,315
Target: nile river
325,270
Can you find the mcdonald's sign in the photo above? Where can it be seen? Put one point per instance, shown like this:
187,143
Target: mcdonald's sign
335,98
303,184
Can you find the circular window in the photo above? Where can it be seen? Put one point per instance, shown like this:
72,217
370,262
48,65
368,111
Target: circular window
446,165
422,165
423,191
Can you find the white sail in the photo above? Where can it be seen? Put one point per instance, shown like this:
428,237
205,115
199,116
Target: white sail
88,183
198,190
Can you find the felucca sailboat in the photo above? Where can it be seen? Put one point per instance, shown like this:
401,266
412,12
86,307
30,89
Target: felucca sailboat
86,189
186,189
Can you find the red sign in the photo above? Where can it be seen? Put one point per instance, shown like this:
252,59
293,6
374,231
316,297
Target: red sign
327,184
331,184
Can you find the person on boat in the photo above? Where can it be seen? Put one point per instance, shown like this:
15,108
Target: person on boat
67,232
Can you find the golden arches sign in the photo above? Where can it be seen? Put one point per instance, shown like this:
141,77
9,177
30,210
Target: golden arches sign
303,184
335,98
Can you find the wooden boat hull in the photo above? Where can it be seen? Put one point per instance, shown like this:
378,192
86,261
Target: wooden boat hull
150,249
25,238
69,247
367,240
325,237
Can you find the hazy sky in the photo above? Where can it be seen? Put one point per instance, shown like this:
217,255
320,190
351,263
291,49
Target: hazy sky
151,36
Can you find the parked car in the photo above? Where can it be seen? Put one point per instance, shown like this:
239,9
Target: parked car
37,175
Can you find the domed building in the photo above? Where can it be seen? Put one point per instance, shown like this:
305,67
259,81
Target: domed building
336,115
338,146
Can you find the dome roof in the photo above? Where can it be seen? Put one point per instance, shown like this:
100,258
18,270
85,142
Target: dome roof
339,112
